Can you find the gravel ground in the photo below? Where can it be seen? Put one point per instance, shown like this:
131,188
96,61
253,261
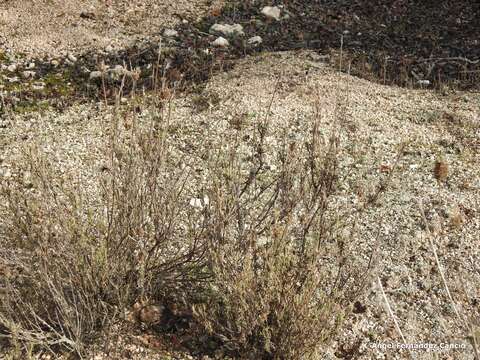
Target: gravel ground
379,124
388,134
55,27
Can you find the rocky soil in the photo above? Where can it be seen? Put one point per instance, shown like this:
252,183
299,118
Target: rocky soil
58,86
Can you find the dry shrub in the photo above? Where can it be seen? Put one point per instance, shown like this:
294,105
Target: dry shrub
284,275
262,252
75,260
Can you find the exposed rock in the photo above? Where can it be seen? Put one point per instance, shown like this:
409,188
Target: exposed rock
221,42
317,57
227,30
72,58
28,74
255,40
423,82
12,68
271,12
170,33
54,62
40,85
199,203
95,75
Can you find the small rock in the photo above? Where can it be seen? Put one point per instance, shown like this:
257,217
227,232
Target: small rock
199,203
40,85
227,30
255,40
54,62
72,58
95,75
271,12
84,70
31,65
13,79
424,82
6,173
12,68
170,33
28,74
27,179
221,42
109,48
317,57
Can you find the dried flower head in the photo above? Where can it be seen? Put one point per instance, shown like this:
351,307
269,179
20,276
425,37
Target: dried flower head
441,170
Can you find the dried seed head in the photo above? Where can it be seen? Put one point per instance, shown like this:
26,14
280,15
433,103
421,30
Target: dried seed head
135,74
456,216
441,170
102,67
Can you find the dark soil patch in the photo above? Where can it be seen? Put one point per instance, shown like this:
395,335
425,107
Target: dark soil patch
422,43
398,42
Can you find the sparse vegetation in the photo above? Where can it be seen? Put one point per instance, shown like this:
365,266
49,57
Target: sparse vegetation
167,198
76,263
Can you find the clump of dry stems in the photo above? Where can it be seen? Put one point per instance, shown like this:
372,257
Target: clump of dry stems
263,259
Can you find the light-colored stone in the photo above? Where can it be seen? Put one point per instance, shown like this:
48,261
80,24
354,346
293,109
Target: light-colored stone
271,12
28,74
40,85
170,33
255,40
12,68
95,75
199,203
227,30
221,42
72,58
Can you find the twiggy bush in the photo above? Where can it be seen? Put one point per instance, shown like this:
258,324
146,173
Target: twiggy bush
75,263
262,252
283,273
